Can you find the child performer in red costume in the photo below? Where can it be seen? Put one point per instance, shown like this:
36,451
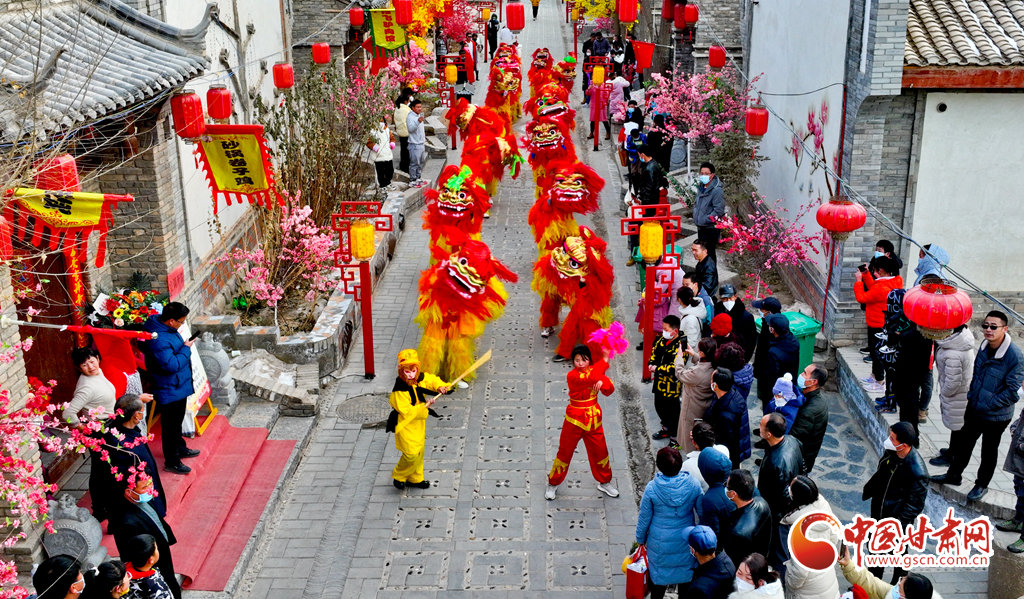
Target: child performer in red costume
583,421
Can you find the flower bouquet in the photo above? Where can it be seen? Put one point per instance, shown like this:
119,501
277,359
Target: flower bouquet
126,308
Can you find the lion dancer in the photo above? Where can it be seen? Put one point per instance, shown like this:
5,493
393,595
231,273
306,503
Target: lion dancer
578,273
583,422
564,73
549,142
459,202
539,74
567,190
459,295
506,84
490,143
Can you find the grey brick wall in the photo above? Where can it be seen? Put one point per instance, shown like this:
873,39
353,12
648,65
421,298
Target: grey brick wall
310,16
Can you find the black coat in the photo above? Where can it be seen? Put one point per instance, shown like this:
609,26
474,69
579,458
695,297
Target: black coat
728,417
743,326
781,463
898,488
706,273
124,459
128,521
648,184
783,356
764,342
714,579
749,531
660,146
810,425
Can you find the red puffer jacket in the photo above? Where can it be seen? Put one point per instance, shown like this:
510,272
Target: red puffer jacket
874,298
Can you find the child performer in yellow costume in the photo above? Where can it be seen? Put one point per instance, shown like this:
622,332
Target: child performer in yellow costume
410,400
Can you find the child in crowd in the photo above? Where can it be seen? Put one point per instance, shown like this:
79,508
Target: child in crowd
662,367
413,394
785,400
142,555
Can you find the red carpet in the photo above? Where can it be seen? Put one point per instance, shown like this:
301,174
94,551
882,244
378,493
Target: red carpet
214,509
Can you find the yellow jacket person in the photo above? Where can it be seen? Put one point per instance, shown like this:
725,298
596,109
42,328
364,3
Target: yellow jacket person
413,394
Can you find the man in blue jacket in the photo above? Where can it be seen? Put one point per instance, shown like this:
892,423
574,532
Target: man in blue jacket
998,374
169,364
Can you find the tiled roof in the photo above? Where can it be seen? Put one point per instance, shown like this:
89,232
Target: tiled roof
87,59
965,33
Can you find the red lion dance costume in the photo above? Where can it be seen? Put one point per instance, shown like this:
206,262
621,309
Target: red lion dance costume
551,102
539,72
578,273
506,84
459,202
566,190
490,143
458,297
565,72
549,142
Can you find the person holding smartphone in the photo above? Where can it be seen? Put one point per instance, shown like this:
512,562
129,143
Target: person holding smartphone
169,363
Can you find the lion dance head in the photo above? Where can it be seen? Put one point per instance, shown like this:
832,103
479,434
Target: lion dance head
552,102
571,188
459,201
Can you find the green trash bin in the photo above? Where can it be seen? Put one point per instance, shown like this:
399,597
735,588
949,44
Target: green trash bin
804,328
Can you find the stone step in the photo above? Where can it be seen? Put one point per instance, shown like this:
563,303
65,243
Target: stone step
435,147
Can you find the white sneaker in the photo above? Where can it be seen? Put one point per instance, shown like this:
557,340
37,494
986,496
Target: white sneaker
869,380
546,332
462,385
608,489
874,387
549,494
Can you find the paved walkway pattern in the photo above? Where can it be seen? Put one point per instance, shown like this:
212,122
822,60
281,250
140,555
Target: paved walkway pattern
484,529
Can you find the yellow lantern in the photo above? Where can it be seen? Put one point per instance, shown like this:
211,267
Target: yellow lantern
451,73
597,76
486,14
361,237
652,240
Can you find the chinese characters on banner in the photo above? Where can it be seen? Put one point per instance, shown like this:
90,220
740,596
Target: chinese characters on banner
953,538
64,216
237,164
385,32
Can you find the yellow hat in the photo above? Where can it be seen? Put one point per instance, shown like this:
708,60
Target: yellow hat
408,357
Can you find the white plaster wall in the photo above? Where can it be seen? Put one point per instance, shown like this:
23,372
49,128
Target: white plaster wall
798,46
264,45
967,198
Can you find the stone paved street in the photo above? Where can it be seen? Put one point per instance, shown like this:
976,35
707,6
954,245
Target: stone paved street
484,528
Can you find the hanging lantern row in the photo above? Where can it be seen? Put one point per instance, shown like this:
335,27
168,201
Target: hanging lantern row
716,57
627,11
403,12
685,16
937,308
356,16
840,217
515,16
321,53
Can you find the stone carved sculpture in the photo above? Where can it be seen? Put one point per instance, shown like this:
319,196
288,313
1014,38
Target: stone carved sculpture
218,370
76,532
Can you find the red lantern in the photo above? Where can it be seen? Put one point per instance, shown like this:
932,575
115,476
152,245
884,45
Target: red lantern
716,57
218,102
644,52
284,75
840,217
6,235
757,121
691,14
667,10
187,112
321,53
403,12
59,173
937,308
356,16
627,11
679,16
515,16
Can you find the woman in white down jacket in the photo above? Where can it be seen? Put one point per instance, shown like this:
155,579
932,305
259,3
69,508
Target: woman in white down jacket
954,361
691,315
801,582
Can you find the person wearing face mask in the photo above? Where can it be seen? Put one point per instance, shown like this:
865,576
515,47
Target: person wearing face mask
691,316
811,420
748,529
413,394
899,486
136,516
743,324
782,461
912,586
728,416
756,580
785,400
694,370
127,447
661,366
715,573
731,356
801,582
108,580
709,205
58,577
493,26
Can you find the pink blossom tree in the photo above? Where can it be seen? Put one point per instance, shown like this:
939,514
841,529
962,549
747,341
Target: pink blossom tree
701,106
769,239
